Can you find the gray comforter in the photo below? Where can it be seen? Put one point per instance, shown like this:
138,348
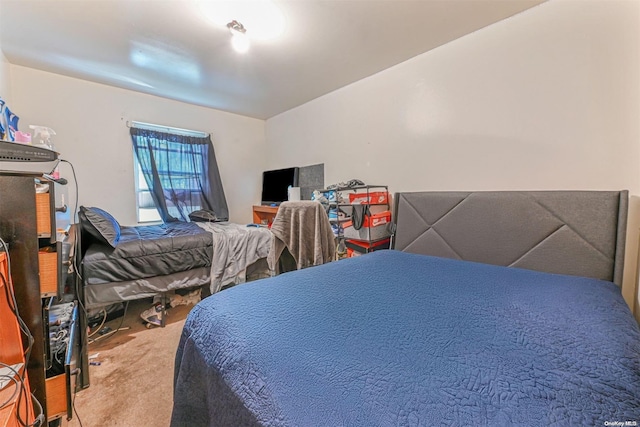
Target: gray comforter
148,251
157,258
235,247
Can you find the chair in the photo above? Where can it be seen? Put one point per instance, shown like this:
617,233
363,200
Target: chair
303,230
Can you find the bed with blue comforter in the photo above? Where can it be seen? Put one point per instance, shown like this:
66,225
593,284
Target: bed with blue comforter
446,342
400,339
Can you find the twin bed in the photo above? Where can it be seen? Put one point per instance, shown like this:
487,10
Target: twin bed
120,263
495,308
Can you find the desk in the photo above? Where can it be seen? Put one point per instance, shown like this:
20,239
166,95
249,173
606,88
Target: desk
264,214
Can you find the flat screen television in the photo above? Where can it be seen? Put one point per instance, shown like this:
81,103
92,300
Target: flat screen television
275,185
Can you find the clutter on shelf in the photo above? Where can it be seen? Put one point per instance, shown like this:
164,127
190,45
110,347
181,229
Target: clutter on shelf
42,136
8,123
359,214
9,130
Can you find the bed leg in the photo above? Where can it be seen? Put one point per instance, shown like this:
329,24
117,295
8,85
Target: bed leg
163,301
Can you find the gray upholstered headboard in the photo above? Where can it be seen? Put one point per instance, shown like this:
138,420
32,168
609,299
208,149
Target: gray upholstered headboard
579,233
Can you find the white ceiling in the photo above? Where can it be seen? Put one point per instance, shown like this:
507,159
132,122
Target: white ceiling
168,48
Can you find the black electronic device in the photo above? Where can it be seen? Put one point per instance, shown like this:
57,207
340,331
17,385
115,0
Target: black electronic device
19,158
276,183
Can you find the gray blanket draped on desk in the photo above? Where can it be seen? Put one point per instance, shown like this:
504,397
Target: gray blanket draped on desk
304,229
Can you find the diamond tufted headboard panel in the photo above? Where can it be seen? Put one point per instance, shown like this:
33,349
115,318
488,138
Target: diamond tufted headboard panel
578,233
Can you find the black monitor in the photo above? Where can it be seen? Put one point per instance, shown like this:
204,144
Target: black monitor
275,185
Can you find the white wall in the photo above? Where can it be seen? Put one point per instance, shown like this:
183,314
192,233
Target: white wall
91,132
5,93
549,99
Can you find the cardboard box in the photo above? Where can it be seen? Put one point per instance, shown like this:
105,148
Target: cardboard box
43,214
374,227
357,247
374,220
48,264
372,197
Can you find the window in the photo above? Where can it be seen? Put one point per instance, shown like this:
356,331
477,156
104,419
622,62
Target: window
175,174
145,207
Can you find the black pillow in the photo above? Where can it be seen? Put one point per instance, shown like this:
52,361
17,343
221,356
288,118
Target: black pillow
101,225
203,215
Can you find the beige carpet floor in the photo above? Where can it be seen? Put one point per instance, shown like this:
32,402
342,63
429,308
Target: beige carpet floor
133,384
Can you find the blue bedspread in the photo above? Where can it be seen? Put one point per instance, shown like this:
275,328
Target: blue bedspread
394,339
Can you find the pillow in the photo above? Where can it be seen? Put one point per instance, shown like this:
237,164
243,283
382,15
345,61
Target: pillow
203,215
101,225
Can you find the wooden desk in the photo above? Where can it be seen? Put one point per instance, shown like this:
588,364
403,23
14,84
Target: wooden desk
264,214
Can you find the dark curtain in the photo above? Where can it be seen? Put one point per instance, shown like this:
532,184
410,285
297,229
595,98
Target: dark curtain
181,172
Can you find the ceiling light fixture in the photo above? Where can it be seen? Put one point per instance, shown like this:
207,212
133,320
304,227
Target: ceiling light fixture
264,19
239,39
